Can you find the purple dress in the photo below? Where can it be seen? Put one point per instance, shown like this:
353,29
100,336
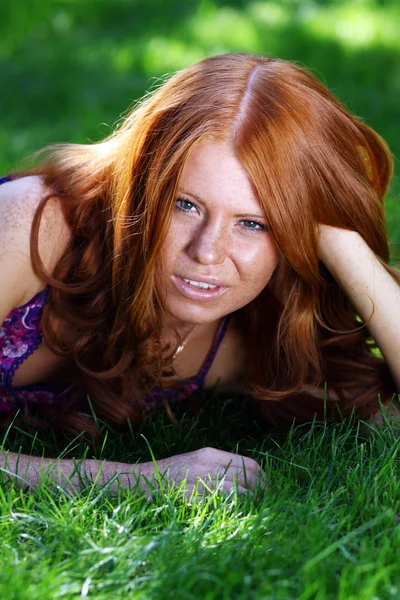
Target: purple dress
21,334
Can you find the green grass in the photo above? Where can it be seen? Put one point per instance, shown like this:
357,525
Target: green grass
327,525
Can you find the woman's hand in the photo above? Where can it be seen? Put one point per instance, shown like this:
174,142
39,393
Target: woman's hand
210,469
205,469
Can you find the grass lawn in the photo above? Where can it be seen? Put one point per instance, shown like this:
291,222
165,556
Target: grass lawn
327,526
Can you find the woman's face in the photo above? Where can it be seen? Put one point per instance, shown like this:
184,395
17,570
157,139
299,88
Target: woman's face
218,254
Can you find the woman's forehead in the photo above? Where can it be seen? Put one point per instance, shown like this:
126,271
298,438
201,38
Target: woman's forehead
214,174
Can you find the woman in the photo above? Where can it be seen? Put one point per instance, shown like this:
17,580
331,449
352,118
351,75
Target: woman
231,229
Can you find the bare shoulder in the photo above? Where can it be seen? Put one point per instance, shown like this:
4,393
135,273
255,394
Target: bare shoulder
19,200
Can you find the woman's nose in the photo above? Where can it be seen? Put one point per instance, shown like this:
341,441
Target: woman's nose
207,245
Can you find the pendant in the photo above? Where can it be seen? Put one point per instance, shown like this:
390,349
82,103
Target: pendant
179,350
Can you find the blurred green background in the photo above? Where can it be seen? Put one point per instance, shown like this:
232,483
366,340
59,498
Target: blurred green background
69,69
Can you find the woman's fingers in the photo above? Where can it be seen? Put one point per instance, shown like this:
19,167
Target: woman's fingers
247,471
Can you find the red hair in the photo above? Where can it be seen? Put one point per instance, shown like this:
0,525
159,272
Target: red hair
309,160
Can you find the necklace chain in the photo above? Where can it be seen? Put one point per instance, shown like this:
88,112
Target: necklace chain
182,345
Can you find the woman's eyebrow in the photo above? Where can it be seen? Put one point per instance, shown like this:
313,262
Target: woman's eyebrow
197,198
242,215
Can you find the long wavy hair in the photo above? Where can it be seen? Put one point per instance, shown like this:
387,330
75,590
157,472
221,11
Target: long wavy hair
310,161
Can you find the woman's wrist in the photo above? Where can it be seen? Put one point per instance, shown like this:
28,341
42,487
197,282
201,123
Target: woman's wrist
124,474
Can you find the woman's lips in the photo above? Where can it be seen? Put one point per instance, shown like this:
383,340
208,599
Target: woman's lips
196,293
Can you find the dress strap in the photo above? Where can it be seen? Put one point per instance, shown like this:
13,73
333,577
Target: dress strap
214,349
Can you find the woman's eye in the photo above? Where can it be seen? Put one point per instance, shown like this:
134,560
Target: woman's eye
185,205
254,225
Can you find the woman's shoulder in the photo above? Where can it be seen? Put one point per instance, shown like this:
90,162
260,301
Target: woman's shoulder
19,200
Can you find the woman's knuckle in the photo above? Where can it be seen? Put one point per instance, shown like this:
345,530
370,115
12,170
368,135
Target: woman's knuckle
208,450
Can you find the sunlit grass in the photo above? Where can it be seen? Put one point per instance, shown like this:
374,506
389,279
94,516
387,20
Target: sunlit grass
327,525
355,25
163,55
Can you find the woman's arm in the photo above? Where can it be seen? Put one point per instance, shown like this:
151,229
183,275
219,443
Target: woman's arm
215,467
28,471
373,292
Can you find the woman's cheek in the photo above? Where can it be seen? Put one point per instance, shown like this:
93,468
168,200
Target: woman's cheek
257,261
174,243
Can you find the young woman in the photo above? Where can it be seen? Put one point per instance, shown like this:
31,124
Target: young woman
231,229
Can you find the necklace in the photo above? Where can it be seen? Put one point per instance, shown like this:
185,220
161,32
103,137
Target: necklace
182,345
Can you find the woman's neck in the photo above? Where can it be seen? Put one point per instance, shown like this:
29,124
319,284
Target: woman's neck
172,326
196,340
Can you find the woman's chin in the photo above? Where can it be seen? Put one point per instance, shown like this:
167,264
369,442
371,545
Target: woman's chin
192,314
